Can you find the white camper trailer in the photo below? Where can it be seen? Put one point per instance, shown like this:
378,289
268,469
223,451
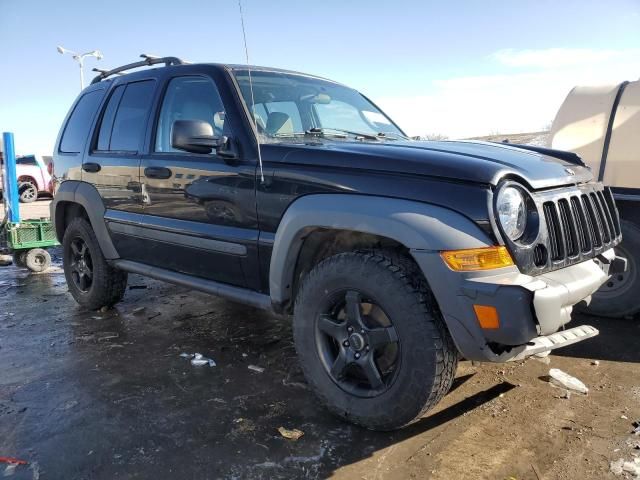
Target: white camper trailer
602,125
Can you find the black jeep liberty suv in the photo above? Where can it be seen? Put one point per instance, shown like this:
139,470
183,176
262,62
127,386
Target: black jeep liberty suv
296,194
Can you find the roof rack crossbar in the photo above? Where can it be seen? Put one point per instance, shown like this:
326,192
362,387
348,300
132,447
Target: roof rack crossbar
147,62
102,70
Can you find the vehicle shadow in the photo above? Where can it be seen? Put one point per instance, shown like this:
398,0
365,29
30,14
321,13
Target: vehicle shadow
617,341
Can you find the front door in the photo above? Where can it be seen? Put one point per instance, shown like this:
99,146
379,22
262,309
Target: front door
199,209
112,164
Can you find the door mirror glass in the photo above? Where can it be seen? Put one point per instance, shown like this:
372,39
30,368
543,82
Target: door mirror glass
194,136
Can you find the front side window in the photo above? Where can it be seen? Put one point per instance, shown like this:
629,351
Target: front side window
288,105
189,98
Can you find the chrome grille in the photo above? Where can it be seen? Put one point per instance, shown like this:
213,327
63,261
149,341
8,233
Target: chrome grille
579,225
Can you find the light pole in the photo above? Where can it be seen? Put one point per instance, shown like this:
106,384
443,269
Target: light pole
80,59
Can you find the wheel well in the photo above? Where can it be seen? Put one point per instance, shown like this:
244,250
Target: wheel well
27,178
65,213
323,243
629,212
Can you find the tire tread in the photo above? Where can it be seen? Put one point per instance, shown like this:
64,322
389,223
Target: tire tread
403,271
111,283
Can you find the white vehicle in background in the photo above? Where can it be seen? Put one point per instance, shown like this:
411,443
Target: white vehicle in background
602,125
34,177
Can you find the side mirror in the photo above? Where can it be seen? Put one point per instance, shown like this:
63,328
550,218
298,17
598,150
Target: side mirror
195,136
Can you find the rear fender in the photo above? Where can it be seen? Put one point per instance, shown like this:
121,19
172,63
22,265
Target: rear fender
87,196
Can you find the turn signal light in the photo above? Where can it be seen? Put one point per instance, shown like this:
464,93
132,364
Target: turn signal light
487,316
477,259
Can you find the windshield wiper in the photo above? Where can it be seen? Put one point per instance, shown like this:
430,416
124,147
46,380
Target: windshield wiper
396,135
323,130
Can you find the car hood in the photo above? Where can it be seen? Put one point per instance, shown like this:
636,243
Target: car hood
478,162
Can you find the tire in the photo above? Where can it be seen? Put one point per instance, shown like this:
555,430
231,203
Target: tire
37,260
389,289
28,192
5,260
92,281
618,297
19,258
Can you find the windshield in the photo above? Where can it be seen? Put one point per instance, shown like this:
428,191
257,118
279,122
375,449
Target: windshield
289,105
27,160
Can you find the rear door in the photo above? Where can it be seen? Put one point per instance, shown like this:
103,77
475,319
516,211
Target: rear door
199,209
112,164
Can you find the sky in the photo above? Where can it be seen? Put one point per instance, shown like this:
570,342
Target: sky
454,68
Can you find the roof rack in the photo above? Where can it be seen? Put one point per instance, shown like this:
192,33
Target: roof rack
147,62
103,71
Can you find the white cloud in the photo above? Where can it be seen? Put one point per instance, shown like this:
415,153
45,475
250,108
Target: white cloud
522,101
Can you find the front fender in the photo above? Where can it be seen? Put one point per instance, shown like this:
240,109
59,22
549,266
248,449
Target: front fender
418,226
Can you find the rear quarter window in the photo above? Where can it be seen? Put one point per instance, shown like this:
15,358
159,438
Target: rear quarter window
77,128
104,136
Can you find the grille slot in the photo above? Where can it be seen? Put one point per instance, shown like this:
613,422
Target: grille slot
607,215
556,245
612,210
594,228
602,224
569,228
584,236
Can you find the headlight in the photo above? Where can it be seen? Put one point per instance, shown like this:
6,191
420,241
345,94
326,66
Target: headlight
512,212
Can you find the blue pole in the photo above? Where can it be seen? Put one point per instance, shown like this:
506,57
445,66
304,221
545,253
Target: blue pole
10,180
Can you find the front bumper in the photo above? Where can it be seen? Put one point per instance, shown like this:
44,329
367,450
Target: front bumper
529,308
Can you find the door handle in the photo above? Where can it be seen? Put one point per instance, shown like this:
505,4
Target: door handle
91,167
161,173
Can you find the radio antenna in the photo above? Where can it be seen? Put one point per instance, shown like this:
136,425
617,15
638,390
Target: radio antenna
253,115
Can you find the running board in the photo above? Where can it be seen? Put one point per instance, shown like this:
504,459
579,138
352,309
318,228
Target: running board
237,294
556,340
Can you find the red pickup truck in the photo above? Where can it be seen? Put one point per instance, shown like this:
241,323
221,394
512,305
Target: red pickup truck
34,177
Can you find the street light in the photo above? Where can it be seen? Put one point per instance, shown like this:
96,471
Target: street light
80,59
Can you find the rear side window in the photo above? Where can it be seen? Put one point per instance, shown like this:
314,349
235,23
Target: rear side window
77,128
104,137
125,117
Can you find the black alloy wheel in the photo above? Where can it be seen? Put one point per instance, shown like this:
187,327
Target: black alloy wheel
81,265
357,344
370,338
92,281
